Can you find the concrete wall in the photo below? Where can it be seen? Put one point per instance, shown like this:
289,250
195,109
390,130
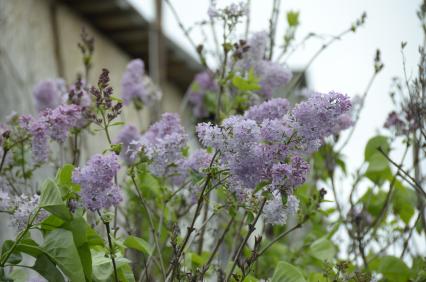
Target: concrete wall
29,53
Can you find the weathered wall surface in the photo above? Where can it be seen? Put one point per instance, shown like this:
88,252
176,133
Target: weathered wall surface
29,52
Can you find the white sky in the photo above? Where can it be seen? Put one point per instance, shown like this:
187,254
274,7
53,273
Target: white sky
347,65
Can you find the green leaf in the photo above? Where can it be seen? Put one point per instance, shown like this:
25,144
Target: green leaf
322,249
317,277
377,163
64,178
125,273
15,257
47,269
59,246
51,200
373,144
102,265
249,84
293,18
404,202
139,244
393,269
285,272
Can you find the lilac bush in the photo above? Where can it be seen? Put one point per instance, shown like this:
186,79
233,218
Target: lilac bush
237,196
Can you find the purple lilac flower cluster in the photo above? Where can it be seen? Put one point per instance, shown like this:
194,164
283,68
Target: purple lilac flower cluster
49,94
204,82
163,143
272,75
133,85
268,144
53,123
98,190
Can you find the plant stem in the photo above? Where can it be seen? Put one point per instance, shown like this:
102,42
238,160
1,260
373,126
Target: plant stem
152,227
111,249
279,237
19,238
250,231
216,248
3,158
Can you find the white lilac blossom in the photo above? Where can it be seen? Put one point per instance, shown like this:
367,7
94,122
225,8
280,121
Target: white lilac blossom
48,94
5,201
260,149
98,190
203,83
234,10
126,136
24,208
134,85
163,143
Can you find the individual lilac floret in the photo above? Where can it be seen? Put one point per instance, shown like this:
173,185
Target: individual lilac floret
40,142
318,115
133,86
126,136
25,206
272,109
203,84
163,143
96,180
48,94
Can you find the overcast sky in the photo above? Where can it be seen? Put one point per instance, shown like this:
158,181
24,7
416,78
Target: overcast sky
347,65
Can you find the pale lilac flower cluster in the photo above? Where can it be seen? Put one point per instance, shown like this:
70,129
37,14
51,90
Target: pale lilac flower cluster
163,143
234,10
320,116
98,190
204,83
133,85
53,123
268,143
24,207
5,201
275,212
272,75
126,136
49,94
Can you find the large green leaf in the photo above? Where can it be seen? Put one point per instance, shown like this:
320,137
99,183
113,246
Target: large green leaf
51,200
404,202
15,257
322,249
285,272
393,269
64,179
138,244
59,246
373,144
102,265
47,269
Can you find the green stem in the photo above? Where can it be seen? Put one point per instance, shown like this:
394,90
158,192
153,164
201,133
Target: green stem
111,249
19,238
